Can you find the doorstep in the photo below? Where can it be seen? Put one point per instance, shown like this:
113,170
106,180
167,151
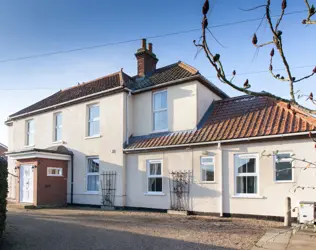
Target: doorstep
16,205
176,212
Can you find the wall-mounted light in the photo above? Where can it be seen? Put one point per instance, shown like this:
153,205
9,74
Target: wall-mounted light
205,153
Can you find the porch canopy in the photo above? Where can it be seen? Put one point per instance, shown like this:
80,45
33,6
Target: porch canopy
56,153
42,175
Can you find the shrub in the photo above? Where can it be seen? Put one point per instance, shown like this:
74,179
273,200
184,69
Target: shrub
3,193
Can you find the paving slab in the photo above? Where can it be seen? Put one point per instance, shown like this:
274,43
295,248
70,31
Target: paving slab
283,239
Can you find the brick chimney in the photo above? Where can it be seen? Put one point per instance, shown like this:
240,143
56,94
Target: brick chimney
146,59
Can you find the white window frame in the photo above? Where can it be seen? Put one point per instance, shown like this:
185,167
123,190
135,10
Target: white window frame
58,127
154,176
206,166
51,168
29,133
257,174
92,174
159,110
92,120
274,169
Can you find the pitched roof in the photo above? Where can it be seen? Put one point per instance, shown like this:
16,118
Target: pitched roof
234,118
177,71
81,90
165,74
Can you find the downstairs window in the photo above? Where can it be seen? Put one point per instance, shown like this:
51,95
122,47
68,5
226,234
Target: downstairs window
246,174
154,176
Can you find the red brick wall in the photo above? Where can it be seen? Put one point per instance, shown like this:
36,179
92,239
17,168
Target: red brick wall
51,190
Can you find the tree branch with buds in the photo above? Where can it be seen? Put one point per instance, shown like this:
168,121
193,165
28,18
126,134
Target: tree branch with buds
311,11
215,60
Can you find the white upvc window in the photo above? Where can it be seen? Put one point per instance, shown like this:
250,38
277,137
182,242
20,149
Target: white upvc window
247,174
58,120
93,168
154,176
54,171
30,130
283,167
93,120
160,111
208,168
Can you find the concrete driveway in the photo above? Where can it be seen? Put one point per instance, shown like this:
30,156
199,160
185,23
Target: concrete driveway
92,229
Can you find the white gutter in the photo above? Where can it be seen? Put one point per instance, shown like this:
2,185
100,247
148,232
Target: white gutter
4,146
60,104
222,141
35,154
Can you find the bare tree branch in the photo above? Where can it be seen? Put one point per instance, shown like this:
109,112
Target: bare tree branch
215,61
311,12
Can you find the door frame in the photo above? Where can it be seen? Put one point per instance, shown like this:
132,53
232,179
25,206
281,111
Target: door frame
22,183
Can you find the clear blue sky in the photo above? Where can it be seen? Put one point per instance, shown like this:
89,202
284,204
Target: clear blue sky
37,26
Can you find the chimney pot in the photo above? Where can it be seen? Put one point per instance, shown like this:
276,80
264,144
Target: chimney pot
150,47
144,43
146,59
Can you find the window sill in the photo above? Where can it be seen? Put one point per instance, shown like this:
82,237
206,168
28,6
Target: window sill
154,194
92,137
58,142
29,146
276,182
92,192
159,131
248,197
208,182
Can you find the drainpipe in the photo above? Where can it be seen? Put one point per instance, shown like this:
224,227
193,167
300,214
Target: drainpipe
72,180
221,177
127,115
127,142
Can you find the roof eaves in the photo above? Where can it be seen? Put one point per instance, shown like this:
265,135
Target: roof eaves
197,144
67,103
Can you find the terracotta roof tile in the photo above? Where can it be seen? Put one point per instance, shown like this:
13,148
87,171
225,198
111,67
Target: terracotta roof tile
234,118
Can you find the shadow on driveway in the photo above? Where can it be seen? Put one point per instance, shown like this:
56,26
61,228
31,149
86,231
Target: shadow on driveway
44,232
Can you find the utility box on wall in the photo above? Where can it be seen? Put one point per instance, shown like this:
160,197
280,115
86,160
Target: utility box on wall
307,211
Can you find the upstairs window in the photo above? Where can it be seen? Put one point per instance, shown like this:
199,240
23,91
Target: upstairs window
154,174
246,174
93,120
93,174
283,167
30,132
160,111
58,126
207,168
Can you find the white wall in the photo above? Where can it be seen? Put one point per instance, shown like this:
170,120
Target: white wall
112,127
207,197
204,98
187,104
182,109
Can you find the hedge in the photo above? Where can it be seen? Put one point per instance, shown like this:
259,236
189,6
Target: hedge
3,193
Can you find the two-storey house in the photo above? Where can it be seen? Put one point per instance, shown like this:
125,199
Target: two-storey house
165,138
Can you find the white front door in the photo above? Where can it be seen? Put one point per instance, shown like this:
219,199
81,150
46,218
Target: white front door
26,183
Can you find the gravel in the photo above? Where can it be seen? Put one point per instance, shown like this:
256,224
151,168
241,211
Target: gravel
77,228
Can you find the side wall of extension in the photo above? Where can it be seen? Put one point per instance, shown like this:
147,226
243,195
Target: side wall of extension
220,196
